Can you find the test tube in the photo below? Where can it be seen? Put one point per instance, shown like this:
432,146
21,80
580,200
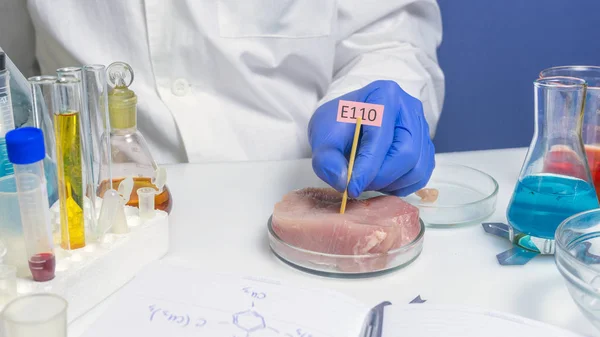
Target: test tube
26,151
75,72
42,98
94,100
100,159
69,152
96,92
35,315
146,202
7,119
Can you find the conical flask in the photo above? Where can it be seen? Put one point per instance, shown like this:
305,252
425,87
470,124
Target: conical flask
591,118
130,154
555,181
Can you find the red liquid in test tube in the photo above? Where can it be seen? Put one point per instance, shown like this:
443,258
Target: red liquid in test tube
42,266
26,151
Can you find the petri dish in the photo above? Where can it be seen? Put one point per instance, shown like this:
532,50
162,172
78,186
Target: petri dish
346,265
466,196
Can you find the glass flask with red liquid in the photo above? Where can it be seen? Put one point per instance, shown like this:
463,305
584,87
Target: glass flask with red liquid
555,182
562,160
130,155
591,118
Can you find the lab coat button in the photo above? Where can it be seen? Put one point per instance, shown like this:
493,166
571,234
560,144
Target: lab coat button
180,87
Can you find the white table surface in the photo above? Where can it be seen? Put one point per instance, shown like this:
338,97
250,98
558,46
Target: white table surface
227,205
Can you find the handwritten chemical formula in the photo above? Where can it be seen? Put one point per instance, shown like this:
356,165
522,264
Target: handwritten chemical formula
249,322
254,294
171,300
180,320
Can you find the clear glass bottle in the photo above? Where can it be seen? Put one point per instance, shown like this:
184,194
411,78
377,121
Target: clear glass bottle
555,181
130,155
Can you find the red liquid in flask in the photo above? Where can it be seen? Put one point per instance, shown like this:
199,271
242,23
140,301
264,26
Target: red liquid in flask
593,157
42,266
562,160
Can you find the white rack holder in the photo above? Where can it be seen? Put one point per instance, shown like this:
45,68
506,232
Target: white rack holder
87,276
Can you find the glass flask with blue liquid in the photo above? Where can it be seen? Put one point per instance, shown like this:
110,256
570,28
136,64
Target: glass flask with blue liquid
555,181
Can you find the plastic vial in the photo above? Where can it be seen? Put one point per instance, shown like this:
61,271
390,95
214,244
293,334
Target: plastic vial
26,151
146,197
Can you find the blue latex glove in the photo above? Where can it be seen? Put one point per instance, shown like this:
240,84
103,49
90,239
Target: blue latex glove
396,158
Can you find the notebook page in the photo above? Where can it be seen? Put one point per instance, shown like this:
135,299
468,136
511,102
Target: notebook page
431,320
166,300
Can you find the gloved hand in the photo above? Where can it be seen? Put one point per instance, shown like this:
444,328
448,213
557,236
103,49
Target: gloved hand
396,158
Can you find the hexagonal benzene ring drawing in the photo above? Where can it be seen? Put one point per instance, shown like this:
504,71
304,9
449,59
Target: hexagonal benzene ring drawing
249,321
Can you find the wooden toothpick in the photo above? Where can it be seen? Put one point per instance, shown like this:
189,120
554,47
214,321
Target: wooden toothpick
351,163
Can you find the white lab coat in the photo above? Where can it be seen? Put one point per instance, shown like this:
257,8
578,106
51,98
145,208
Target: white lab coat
228,80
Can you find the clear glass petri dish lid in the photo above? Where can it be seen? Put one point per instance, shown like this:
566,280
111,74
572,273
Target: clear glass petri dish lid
346,265
465,196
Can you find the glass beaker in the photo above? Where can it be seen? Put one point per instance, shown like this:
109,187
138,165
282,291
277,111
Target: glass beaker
36,315
130,153
555,181
591,116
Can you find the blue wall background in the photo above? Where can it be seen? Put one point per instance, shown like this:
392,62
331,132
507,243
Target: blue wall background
491,53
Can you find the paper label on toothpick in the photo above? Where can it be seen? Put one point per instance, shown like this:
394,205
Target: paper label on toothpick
371,114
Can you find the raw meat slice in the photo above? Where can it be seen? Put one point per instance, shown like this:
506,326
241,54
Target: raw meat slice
428,194
310,219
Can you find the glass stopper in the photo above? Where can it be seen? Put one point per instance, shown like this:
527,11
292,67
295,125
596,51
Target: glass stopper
119,74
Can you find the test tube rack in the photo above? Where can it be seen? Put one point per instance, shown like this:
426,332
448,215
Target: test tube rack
87,276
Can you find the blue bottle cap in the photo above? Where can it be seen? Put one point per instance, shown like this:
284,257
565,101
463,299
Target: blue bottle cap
25,145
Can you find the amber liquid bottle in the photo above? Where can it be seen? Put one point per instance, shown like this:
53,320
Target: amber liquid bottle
130,154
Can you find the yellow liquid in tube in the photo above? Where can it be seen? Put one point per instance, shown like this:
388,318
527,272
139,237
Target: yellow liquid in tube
70,183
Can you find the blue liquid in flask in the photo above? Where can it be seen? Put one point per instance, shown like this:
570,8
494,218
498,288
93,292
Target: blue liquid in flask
541,202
